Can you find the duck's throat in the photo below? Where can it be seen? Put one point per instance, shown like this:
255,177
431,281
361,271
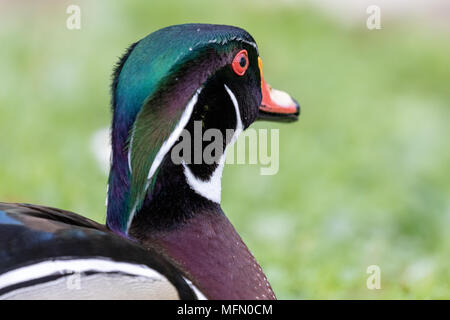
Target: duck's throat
210,253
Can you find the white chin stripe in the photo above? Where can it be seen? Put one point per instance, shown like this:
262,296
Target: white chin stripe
239,126
211,189
75,267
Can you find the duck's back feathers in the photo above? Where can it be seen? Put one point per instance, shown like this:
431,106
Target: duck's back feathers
48,213
56,254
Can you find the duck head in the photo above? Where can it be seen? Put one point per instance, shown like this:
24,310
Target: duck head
164,84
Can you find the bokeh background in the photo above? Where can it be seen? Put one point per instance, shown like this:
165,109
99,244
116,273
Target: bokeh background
364,175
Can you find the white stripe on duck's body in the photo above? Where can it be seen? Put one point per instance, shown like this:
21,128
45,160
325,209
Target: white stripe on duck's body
166,236
49,253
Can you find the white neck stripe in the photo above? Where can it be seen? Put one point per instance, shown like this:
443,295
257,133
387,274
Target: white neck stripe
173,137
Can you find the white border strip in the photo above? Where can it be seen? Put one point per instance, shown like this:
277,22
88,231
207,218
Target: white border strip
54,267
198,293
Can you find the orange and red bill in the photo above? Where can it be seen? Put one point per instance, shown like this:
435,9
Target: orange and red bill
276,105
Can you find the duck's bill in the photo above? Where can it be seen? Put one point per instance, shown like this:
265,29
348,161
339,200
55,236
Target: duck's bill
276,105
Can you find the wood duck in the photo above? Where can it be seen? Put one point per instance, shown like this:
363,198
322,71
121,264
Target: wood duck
166,236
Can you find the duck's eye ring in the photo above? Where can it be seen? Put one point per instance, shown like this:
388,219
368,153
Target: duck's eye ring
240,62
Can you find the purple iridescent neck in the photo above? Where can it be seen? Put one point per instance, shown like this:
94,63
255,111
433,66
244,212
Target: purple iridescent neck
211,254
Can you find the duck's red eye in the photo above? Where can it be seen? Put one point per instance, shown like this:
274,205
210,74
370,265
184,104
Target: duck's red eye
240,62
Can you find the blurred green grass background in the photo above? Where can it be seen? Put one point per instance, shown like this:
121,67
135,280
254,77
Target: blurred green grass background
364,175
